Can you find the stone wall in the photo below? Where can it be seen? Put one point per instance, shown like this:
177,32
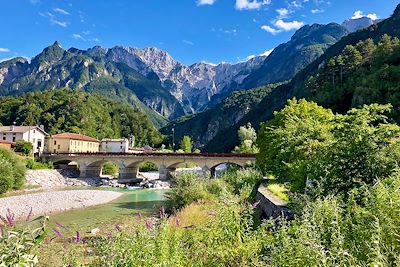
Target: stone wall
270,206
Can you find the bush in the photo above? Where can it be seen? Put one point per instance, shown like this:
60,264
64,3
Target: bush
148,167
361,230
110,168
12,169
34,165
243,180
23,147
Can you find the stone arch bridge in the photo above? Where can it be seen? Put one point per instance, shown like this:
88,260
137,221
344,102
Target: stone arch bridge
90,164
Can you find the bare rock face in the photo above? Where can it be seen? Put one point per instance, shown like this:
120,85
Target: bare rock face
194,85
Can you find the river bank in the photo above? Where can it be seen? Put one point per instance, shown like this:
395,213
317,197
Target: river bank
42,203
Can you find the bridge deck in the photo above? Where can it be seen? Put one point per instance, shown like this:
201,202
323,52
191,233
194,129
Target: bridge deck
200,155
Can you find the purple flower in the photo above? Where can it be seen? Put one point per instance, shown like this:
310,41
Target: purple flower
10,218
118,227
57,233
177,222
78,238
139,215
254,206
149,224
29,215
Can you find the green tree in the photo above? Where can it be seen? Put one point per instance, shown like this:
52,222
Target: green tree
334,153
247,136
186,144
24,147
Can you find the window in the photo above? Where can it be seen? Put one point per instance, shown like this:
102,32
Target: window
34,131
4,138
55,142
58,147
13,138
14,133
34,140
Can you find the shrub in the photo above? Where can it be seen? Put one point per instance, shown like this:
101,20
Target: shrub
243,180
6,175
17,173
23,147
34,165
110,168
148,167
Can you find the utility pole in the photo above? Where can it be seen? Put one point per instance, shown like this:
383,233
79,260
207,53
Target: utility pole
173,139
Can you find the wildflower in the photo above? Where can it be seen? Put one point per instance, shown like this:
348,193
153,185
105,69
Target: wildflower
29,215
149,224
254,206
177,222
118,227
57,232
10,218
78,238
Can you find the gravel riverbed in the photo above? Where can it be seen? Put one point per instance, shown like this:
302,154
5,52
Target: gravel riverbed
54,201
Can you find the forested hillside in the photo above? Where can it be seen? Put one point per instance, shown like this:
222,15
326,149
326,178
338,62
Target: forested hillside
367,83
204,126
79,112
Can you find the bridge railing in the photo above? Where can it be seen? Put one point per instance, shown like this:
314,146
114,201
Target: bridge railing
160,154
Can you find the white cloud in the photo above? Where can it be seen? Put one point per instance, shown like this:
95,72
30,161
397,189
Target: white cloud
288,26
315,11
251,4
77,36
61,11
187,42
270,29
4,50
208,63
59,23
359,14
53,20
205,2
283,12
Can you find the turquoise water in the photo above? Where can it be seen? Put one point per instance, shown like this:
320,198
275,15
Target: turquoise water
126,207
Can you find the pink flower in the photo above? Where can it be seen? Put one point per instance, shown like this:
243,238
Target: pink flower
58,233
254,206
78,238
162,212
10,218
177,222
149,224
118,227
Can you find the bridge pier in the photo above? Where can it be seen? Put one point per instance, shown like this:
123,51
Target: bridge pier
128,175
89,171
166,173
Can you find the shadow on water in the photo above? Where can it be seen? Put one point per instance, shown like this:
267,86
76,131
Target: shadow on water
126,207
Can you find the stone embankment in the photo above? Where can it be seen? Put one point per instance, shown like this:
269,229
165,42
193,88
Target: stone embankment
44,203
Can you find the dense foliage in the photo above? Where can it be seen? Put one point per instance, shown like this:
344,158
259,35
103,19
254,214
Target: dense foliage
186,144
75,111
204,126
362,74
23,147
247,137
12,171
306,143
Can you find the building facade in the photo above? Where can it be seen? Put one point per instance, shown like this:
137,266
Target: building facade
115,145
72,143
32,134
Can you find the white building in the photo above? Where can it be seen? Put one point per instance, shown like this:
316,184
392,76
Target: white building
114,145
32,134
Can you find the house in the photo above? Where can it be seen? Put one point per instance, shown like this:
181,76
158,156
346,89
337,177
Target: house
115,145
71,143
33,134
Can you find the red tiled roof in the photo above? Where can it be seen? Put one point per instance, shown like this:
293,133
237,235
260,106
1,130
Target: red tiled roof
74,136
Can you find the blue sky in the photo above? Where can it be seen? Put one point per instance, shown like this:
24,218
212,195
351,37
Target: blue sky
190,30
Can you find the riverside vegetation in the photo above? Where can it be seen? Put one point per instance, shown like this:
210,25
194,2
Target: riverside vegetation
344,181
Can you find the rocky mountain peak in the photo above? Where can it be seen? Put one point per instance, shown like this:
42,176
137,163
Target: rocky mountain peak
353,25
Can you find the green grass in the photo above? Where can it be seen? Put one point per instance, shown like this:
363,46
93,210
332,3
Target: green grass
279,191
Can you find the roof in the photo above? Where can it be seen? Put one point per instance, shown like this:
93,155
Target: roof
74,136
114,140
20,129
